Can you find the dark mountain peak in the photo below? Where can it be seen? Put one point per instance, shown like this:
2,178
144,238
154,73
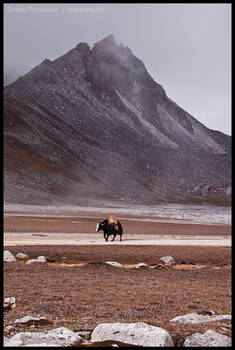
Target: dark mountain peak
83,47
116,67
93,120
47,61
107,42
108,46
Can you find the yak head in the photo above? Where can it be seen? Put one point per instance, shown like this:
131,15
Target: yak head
100,226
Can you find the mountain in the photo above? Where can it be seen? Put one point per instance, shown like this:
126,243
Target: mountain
93,125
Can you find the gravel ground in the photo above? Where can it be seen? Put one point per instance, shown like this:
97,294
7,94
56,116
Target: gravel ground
81,296
91,292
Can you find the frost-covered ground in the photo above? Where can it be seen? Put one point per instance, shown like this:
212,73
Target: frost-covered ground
63,238
172,212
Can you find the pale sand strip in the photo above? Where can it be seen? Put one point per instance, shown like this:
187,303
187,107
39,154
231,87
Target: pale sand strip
49,238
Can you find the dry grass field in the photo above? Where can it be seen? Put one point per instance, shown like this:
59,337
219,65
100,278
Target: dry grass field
90,292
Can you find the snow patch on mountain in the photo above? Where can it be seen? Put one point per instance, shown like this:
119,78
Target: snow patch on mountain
162,138
172,126
206,140
201,134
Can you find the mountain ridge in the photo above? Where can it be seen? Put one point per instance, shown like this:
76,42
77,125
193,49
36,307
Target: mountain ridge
93,120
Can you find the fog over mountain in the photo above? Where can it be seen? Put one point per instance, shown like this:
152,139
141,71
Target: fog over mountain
94,125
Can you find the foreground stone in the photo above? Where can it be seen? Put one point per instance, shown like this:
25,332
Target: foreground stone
50,259
167,260
55,337
139,266
209,338
39,259
137,333
9,303
195,318
84,334
8,256
30,320
158,266
6,340
10,331
114,263
22,256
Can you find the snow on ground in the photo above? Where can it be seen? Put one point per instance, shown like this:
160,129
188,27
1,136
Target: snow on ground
60,238
173,212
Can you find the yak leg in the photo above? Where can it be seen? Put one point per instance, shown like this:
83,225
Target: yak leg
105,236
114,235
120,238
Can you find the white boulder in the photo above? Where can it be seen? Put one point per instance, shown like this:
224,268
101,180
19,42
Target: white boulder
9,303
39,259
139,266
114,263
6,340
137,333
8,256
195,318
10,330
32,320
209,338
55,337
158,266
167,260
22,256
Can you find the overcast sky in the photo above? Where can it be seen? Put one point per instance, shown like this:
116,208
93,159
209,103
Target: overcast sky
185,47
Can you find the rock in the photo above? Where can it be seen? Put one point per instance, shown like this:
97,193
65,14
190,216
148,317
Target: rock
84,334
50,260
22,256
140,265
158,266
6,341
167,260
39,259
194,318
86,342
137,333
209,338
10,330
206,313
8,256
9,303
32,320
114,263
55,337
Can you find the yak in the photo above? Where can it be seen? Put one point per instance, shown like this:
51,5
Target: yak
110,226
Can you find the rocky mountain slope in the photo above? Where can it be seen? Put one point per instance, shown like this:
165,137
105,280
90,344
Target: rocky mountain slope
93,125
